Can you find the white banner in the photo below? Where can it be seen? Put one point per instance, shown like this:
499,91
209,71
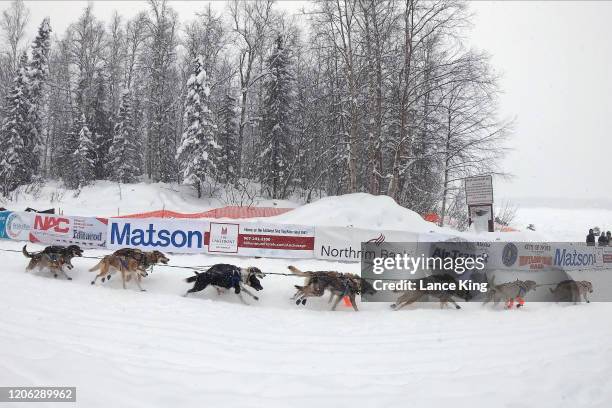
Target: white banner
17,225
344,244
68,230
172,235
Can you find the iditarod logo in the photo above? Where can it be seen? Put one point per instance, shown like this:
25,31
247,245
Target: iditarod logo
573,258
151,237
87,236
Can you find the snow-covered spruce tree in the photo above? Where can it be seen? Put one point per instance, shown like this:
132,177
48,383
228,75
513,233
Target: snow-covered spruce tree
100,127
14,167
227,138
36,75
197,150
125,160
276,153
84,156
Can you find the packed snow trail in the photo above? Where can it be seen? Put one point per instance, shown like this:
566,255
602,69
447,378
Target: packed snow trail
156,349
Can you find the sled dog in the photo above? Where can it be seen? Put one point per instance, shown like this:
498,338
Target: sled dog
509,292
443,296
225,276
572,291
129,267
339,284
53,257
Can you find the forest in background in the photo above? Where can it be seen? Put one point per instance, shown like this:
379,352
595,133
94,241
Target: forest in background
383,97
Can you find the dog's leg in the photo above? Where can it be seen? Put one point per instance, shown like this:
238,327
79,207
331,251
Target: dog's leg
64,273
245,290
585,297
331,297
137,280
353,302
451,300
192,290
336,302
399,305
241,298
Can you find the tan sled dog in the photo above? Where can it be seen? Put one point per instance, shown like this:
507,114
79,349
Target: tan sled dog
572,291
128,266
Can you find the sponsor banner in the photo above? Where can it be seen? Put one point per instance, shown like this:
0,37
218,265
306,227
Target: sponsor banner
68,230
276,240
344,244
17,225
198,236
169,235
524,256
223,238
607,256
577,257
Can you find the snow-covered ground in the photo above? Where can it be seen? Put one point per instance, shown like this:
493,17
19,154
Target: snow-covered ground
128,348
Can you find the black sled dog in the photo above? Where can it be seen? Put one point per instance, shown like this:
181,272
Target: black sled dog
225,276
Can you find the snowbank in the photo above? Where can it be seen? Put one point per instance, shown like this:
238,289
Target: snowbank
359,210
108,199
157,349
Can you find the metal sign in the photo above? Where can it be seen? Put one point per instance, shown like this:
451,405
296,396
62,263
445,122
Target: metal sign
479,190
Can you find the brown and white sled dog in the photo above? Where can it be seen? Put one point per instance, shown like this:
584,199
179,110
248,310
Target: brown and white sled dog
337,283
128,266
53,257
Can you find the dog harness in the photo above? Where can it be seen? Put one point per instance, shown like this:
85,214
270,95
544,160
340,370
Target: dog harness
235,279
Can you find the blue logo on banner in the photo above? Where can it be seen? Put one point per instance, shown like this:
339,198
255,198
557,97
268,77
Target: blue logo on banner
3,216
152,237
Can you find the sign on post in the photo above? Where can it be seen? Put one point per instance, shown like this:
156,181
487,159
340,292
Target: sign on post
479,198
479,190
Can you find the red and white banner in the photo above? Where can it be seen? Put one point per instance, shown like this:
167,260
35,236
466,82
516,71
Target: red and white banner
276,240
51,229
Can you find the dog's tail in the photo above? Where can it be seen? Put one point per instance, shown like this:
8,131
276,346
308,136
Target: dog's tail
296,271
25,252
98,265
192,278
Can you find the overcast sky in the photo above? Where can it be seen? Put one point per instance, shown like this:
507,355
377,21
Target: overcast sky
556,64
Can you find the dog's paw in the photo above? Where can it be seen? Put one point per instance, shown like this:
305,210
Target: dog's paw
103,280
393,306
108,278
297,302
255,297
457,307
93,282
303,302
69,278
143,290
55,275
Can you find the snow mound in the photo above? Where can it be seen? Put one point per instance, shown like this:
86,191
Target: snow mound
359,210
